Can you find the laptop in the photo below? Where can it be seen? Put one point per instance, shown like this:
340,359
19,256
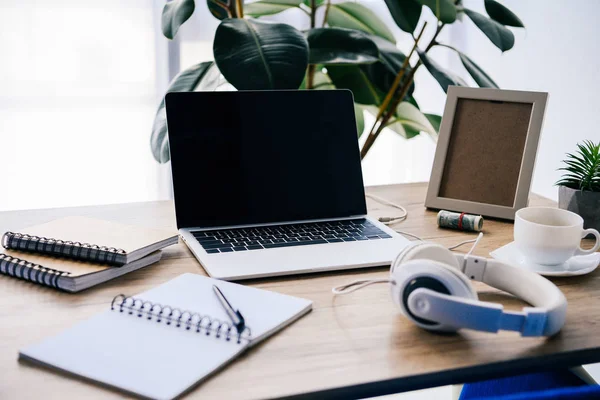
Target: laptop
269,183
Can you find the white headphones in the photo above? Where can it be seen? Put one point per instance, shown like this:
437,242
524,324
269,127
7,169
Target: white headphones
431,286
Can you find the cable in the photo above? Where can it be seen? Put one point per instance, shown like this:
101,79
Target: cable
475,241
474,244
409,234
355,285
361,283
389,220
461,244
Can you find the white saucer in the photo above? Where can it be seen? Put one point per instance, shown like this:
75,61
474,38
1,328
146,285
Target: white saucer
578,265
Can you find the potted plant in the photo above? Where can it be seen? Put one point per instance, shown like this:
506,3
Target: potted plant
346,47
579,187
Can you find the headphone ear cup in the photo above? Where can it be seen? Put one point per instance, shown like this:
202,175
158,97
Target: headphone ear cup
432,275
425,251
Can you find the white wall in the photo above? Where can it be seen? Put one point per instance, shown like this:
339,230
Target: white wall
557,53
79,98
79,86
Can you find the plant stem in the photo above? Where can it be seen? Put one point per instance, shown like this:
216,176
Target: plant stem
310,73
398,79
239,8
383,115
327,7
390,112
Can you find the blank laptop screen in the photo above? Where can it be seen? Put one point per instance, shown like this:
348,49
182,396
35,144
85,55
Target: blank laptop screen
260,157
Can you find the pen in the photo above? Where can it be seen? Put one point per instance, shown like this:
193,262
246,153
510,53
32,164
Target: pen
234,315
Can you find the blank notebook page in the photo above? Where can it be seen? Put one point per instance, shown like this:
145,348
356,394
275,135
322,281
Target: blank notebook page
157,360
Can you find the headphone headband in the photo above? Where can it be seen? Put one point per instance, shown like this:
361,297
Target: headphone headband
454,311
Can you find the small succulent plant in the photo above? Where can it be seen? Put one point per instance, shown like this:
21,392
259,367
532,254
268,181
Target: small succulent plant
582,168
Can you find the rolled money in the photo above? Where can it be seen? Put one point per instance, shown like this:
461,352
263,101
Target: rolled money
460,221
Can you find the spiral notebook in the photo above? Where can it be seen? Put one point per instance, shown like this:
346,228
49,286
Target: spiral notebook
64,274
162,342
89,239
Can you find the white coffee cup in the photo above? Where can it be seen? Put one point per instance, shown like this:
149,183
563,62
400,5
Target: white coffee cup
551,236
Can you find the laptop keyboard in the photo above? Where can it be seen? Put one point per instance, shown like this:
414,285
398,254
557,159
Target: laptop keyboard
269,237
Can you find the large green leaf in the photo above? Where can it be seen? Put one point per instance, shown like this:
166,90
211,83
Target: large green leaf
351,77
479,75
382,74
269,7
501,14
444,10
318,3
203,76
382,77
321,80
389,54
222,9
254,55
435,121
409,121
444,77
359,17
359,114
340,46
406,13
174,14
500,35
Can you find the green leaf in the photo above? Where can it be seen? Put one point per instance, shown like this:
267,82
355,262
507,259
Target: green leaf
359,17
321,80
269,7
223,9
174,14
340,46
444,77
500,35
412,120
435,121
444,10
412,101
382,77
408,121
583,168
254,55
351,77
318,3
479,75
388,53
502,15
360,119
405,131
203,76
406,13
383,73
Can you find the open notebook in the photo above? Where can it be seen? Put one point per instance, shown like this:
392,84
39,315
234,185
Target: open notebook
155,355
89,239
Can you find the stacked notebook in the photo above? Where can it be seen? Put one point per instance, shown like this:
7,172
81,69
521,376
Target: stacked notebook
76,253
160,343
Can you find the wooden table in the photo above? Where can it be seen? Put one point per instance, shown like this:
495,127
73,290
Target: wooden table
348,347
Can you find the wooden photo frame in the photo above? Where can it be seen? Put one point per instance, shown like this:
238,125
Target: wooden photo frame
486,151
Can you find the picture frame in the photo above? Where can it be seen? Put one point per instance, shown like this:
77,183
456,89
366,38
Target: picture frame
486,151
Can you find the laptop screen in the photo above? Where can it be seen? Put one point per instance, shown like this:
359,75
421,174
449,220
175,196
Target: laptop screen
263,156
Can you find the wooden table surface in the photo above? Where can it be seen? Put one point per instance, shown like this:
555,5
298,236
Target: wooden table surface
350,346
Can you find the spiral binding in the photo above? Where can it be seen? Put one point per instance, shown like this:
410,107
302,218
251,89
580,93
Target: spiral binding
75,250
28,271
177,318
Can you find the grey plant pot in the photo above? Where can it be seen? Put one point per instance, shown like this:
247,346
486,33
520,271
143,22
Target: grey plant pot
584,203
